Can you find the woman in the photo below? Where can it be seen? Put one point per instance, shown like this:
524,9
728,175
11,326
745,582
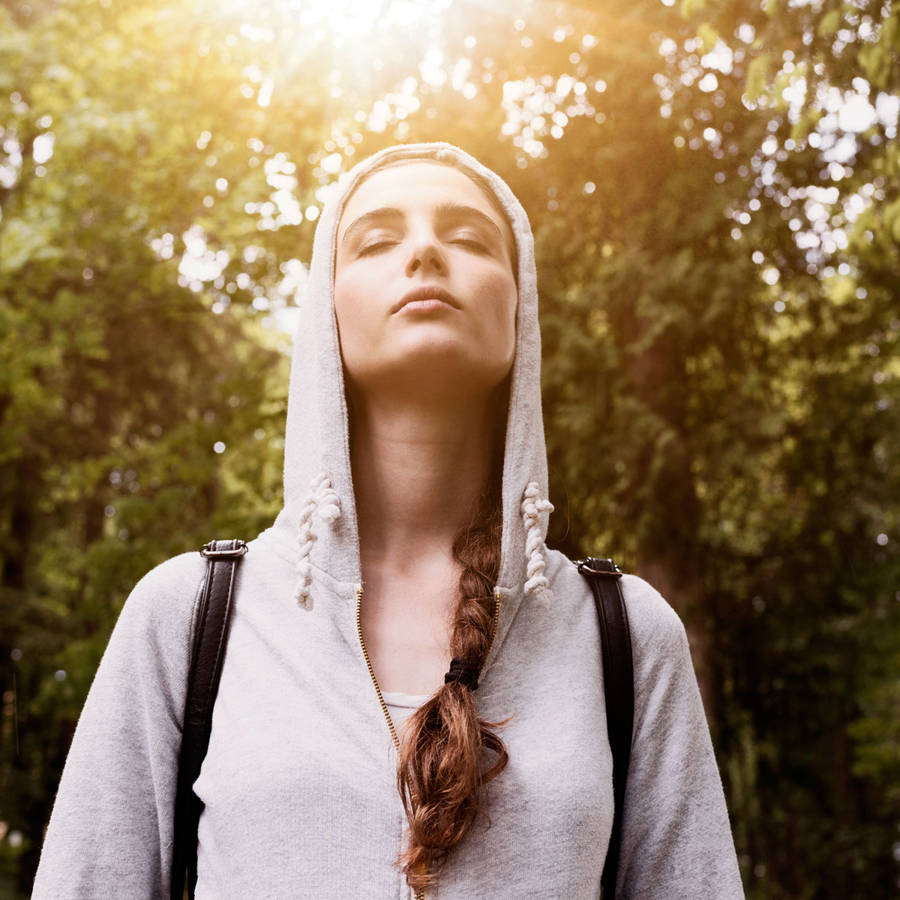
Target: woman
412,694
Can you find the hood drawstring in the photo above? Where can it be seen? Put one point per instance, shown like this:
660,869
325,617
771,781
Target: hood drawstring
532,507
324,500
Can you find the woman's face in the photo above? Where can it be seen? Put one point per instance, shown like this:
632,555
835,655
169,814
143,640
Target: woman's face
424,291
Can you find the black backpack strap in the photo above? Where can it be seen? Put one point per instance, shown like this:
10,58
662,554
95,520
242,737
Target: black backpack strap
211,619
618,678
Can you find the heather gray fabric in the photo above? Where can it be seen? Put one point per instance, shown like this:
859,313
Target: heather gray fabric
299,783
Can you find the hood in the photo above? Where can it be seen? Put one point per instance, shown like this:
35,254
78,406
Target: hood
318,522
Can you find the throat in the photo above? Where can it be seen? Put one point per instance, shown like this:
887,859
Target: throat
417,476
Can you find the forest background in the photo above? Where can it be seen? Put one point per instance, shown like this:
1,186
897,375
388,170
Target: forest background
715,194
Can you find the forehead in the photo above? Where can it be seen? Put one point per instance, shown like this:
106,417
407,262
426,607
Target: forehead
415,186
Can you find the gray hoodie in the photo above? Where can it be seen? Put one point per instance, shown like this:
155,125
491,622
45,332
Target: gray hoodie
299,783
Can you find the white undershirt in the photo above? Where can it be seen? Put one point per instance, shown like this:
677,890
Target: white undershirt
401,706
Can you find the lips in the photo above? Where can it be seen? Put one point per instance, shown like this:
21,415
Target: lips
426,292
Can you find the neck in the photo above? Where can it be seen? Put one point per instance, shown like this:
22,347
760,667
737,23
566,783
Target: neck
418,470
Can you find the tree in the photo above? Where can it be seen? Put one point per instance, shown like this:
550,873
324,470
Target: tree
717,249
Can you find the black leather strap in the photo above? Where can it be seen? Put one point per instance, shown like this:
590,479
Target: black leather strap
211,620
618,679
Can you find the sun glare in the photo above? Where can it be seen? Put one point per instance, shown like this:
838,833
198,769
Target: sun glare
345,19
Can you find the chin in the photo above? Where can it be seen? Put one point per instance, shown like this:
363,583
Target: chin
434,370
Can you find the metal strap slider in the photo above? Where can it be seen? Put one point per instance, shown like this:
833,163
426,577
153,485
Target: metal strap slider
603,567
211,551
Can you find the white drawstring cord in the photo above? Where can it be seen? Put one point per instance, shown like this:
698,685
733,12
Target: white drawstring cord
532,507
322,500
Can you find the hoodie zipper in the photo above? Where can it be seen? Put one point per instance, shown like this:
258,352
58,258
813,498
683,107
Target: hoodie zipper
494,621
384,709
419,895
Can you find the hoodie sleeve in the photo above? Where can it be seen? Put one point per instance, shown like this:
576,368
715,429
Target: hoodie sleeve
110,833
676,840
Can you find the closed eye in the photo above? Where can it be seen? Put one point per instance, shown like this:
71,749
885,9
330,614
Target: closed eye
374,247
471,243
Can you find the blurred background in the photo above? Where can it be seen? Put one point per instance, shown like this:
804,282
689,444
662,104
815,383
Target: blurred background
715,194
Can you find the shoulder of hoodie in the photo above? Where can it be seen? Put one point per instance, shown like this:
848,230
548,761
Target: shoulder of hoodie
656,629
161,605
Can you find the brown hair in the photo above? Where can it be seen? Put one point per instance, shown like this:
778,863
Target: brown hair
441,769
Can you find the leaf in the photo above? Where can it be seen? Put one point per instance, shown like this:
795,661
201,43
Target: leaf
690,8
829,23
25,242
758,73
708,35
892,219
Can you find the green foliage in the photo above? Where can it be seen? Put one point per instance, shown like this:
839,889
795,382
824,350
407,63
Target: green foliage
720,322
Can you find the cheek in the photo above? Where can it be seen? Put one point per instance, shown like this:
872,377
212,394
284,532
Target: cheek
504,301
344,294
349,310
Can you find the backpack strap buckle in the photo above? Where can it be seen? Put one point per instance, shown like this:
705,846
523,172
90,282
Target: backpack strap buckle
224,549
597,566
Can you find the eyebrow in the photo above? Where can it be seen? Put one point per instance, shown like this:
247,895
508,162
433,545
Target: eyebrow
444,211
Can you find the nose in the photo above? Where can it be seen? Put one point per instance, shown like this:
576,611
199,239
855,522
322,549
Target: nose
427,255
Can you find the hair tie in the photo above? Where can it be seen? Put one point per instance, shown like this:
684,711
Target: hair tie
465,673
